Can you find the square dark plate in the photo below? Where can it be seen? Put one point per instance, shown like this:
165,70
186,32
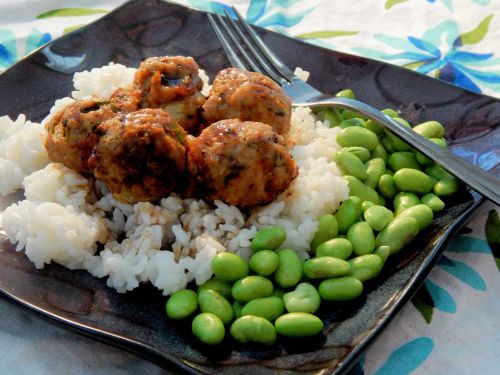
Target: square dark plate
136,321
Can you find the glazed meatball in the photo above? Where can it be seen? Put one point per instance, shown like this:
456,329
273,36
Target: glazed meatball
241,163
248,96
71,132
171,83
124,100
140,156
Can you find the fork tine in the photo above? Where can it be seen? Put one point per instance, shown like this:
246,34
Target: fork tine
232,57
275,75
273,59
235,41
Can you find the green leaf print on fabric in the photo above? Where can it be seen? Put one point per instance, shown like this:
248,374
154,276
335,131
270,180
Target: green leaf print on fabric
423,303
492,232
326,34
478,34
390,3
71,28
70,12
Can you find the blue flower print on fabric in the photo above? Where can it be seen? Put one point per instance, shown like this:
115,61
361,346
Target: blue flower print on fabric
440,52
407,357
8,45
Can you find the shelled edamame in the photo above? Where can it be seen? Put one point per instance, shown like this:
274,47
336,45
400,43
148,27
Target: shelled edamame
394,192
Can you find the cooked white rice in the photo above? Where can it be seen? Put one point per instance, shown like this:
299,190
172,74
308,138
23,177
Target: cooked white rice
168,244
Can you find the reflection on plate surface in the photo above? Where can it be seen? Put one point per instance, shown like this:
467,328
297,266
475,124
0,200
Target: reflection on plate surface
136,320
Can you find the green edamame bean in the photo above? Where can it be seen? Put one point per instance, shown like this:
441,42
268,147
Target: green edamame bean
386,186
348,114
298,324
332,115
208,328
364,192
269,308
212,302
422,159
357,136
398,233
229,267
389,172
437,172
390,112
356,121
374,127
348,213
379,152
350,164
289,270
433,201
374,169
305,298
339,248
237,309
269,238
403,159
386,143
348,93
420,212
181,304
413,181
340,289
378,217
383,252
253,329
361,153
224,289
394,142
251,287
446,187
362,238
403,122
430,129
264,263
366,205
325,267
441,142
403,201
365,267
328,228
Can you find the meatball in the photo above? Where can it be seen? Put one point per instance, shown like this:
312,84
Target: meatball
124,100
248,96
171,83
71,132
240,163
140,156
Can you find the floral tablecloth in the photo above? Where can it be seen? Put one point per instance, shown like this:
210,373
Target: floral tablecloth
452,325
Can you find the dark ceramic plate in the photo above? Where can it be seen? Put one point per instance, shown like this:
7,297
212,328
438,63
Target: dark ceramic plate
136,321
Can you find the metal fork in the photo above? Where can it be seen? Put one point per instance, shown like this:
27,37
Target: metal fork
246,50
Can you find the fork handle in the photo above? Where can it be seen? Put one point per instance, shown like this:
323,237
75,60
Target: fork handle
486,184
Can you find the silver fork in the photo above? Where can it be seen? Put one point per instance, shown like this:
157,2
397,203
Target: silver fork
246,50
